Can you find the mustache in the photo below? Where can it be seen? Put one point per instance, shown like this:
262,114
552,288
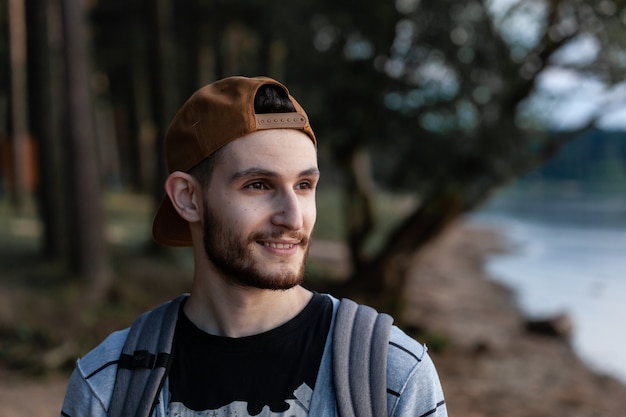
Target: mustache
302,238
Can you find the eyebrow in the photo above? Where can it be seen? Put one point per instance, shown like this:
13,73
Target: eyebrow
262,172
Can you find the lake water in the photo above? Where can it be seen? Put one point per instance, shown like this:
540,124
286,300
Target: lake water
570,256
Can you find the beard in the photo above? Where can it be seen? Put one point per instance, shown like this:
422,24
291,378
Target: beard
234,257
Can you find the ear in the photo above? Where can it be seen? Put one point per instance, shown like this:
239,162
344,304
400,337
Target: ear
185,194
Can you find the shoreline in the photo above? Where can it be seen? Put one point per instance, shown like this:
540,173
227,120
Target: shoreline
493,365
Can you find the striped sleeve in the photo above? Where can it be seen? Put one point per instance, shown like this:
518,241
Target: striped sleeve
413,387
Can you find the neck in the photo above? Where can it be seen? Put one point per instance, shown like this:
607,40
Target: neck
224,309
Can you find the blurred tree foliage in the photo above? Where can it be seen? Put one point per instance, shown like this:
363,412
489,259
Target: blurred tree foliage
442,100
438,99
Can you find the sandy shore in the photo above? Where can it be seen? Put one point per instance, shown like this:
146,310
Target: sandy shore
490,367
494,367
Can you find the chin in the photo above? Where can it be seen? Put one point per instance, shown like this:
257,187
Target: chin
280,281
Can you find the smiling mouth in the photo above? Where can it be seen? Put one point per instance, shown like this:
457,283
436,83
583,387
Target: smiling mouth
279,240
274,245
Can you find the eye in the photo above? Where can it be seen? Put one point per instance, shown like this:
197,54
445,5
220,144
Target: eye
256,185
305,185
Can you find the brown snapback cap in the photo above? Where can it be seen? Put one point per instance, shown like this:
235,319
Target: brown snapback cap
213,116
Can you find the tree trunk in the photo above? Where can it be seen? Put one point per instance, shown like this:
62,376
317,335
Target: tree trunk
359,200
162,84
146,164
19,101
189,34
88,254
45,92
380,281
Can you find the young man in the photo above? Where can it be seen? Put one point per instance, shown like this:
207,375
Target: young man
249,339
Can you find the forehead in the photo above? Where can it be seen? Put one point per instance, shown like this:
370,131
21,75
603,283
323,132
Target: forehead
279,149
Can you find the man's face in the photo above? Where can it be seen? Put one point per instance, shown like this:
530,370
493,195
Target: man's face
260,210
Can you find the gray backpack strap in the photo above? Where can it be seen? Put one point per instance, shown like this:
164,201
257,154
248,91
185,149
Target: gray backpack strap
144,362
360,342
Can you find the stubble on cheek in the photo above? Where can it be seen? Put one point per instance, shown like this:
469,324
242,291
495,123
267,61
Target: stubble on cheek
238,260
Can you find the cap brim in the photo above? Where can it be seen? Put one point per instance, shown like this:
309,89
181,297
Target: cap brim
168,228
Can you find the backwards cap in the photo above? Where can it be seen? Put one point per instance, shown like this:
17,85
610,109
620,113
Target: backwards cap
214,116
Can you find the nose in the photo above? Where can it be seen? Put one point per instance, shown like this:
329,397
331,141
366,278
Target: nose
289,212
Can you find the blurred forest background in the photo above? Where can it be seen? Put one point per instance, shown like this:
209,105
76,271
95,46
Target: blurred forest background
423,109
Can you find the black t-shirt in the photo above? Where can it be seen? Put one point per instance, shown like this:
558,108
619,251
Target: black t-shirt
241,376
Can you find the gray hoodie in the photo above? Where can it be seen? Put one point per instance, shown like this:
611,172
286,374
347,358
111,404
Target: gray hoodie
413,387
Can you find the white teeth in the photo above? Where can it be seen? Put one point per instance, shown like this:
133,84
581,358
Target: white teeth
278,245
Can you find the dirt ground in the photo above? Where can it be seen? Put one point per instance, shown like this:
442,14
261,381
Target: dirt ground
21,397
489,365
